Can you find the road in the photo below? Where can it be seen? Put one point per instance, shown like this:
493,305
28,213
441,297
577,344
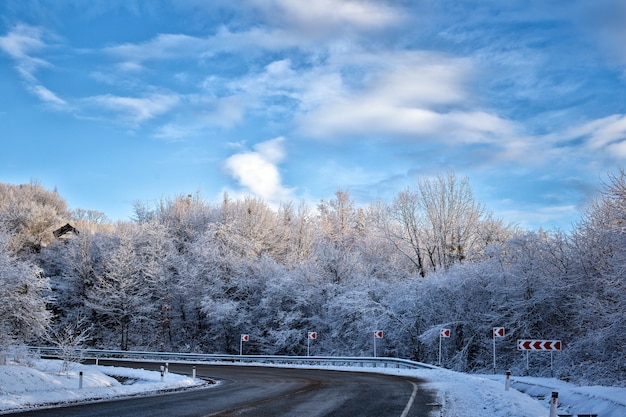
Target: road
269,392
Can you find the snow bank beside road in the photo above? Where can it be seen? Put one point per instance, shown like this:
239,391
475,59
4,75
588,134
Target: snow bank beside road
23,387
468,395
603,401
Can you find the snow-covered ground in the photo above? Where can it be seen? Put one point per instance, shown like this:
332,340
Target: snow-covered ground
460,395
485,395
42,385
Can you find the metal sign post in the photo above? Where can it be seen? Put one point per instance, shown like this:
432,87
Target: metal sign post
378,334
539,345
244,338
497,332
310,336
442,333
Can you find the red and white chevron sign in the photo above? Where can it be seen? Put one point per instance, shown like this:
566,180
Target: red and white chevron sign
538,345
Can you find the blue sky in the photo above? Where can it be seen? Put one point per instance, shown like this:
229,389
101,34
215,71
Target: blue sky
113,102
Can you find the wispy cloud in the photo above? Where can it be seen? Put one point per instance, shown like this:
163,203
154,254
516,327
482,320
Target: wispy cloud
605,137
257,170
22,44
47,96
161,47
200,115
133,110
329,17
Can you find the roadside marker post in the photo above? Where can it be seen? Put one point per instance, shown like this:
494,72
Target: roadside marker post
554,403
507,383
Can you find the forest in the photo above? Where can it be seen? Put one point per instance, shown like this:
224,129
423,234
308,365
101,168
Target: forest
189,275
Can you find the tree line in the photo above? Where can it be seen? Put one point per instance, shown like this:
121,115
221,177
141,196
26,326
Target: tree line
190,275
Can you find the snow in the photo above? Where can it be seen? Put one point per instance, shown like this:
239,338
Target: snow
43,385
460,395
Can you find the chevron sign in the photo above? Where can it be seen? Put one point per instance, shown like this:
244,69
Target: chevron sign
538,345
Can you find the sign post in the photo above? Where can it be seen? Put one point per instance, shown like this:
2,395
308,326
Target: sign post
244,338
310,336
497,332
539,345
378,334
442,333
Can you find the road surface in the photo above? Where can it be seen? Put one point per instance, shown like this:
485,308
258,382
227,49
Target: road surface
247,391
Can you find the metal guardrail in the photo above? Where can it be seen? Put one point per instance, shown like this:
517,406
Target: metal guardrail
173,357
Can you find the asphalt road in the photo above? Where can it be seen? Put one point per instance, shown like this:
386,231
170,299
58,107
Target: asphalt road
269,392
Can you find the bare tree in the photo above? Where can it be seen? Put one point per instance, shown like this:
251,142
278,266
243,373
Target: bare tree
340,225
452,219
70,339
403,223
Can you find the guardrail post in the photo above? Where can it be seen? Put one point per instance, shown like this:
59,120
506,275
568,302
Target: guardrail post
554,403
508,381
80,380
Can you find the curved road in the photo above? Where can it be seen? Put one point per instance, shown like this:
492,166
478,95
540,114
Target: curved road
269,392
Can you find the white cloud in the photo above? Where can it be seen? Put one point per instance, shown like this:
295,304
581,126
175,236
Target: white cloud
22,41
604,133
47,96
257,170
395,93
21,44
162,46
284,24
328,16
617,149
175,132
135,110
130,67
404,93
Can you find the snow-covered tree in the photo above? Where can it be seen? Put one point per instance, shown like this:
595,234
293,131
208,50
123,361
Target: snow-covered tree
122,295
23,289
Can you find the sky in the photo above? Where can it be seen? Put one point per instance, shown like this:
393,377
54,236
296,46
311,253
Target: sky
114,102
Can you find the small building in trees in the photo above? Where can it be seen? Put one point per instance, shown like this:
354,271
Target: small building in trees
65,232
